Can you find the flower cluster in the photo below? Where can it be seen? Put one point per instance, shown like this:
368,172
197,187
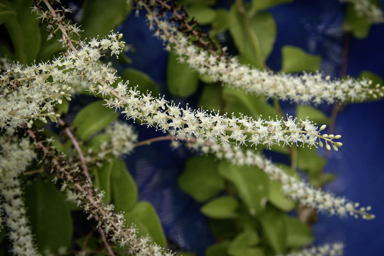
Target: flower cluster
212,127
323,250
15,156
306,88
122,139
28,93
364,8
292,187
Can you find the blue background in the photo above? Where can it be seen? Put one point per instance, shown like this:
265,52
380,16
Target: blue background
314,26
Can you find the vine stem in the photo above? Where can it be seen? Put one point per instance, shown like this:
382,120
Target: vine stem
76,145
251,34
83,191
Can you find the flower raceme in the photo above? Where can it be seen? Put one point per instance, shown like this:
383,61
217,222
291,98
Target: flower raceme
41,87
306,88
293,188
15,156
28,93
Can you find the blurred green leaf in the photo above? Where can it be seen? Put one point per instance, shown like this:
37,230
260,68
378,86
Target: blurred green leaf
100,17
221,208
102,179
277,196
182,81
298,234
221,22
297,60
63,107
258,5
145,217
376,79
23,29
308,160
314,114
202,13
200,178
142,80
182,253
49,215
48,47
6,12
250,105
274,226
96,141
353,23
251,183
93,118
123,187
243,244
200,2
245,219
222,227
262,33
218,249
209,98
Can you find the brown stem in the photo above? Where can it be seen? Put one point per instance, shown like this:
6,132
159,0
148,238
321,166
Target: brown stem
63,30
83,191
76,145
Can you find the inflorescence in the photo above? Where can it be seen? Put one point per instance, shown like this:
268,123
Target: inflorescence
305,88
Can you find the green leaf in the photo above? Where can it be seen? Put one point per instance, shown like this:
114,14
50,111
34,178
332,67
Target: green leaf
274,228
250,105
100,17
96,141
297,60
93,118
63,107
256,42
102,179
182,81
251,183
308,160
243,244
246,220
278,198
2,234
202,13
221,22
148,223
49,216
6,13
314,114
222,227
142,80
182,253
200,178
48,47
353,23
258,5
218,249
210,98
200,2
123,187
24,30
221,208
298,234
376,79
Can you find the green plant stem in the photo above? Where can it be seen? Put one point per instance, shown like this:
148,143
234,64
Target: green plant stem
251,34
